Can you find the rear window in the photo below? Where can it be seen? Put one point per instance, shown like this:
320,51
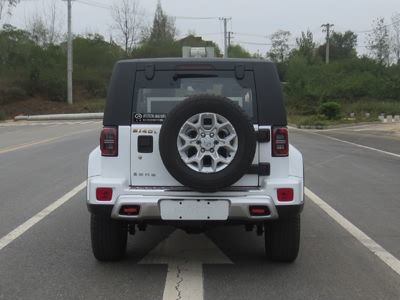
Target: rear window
156,97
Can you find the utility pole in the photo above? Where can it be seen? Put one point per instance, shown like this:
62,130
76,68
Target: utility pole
69,55
328,34
225,20
230,37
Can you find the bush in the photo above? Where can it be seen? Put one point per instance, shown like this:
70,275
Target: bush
56,89
2,115
12,94
331,110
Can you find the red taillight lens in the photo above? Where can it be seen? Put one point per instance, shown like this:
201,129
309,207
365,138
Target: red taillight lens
109,141
280,142
258,211
104,194
285,195
129,210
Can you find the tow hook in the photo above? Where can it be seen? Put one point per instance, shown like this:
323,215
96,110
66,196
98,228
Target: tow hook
249,227
131,228
260,229
142,227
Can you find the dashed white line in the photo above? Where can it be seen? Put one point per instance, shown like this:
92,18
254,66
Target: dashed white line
21,229
364,239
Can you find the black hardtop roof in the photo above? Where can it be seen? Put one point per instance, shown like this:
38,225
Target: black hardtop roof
218,63
120,99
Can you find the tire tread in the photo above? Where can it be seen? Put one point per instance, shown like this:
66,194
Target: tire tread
109,238
282,239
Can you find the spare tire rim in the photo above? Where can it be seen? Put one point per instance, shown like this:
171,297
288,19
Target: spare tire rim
207,142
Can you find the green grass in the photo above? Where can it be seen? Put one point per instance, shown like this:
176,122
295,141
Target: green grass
375,108
359,108
93,105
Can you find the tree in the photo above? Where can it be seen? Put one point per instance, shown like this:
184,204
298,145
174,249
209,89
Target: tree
45,26
280,46
128,19
342,45
7,3
378,42
237,51
163,29
305,46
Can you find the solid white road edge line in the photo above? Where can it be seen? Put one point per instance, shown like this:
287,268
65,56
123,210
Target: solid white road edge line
362,146
347,142
21,229
364,239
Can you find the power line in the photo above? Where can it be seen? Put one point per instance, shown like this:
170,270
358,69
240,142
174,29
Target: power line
371,30
195,18
252,35
95,4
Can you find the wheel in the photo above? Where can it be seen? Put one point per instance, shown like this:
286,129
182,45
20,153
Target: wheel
207,142
109,238
282,239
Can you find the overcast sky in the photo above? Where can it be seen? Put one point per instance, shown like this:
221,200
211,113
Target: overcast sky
249,17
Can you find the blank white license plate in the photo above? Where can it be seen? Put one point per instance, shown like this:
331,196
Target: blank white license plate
194,209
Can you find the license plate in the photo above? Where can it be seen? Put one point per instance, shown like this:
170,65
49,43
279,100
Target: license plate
194,210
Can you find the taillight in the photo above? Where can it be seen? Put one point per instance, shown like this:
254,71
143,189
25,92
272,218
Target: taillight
104,194
109,141
280,142
259,211
285,194
129,210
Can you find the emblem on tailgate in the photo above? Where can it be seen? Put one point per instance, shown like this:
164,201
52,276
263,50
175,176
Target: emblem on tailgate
148,131
144,174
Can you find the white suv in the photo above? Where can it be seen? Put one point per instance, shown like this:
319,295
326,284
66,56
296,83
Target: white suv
195,143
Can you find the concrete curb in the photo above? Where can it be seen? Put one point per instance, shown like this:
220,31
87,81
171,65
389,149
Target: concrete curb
338,126
83,116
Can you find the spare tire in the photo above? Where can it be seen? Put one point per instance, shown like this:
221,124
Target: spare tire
207,142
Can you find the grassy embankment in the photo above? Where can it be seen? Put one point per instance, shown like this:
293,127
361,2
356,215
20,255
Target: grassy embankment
37,106
359,108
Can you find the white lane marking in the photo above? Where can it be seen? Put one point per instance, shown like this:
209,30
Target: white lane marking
362,146
21,229
22,146
46,141
185,255
34,123
364,239
350,143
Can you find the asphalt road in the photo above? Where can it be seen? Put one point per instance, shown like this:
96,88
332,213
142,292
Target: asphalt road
52,260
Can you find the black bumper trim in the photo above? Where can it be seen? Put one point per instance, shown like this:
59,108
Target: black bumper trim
289,211
100,210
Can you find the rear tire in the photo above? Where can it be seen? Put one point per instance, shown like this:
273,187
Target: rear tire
109,238
282,239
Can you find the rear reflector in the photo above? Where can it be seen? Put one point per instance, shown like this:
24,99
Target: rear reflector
104,194
259,211
285,195
280,142
109,141
129,210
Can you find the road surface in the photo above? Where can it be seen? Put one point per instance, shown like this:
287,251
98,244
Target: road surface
52,259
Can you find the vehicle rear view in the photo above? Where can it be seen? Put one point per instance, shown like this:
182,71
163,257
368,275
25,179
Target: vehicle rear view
195,143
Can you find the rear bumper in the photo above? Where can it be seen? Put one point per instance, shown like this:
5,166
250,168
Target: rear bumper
239,201
283,212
